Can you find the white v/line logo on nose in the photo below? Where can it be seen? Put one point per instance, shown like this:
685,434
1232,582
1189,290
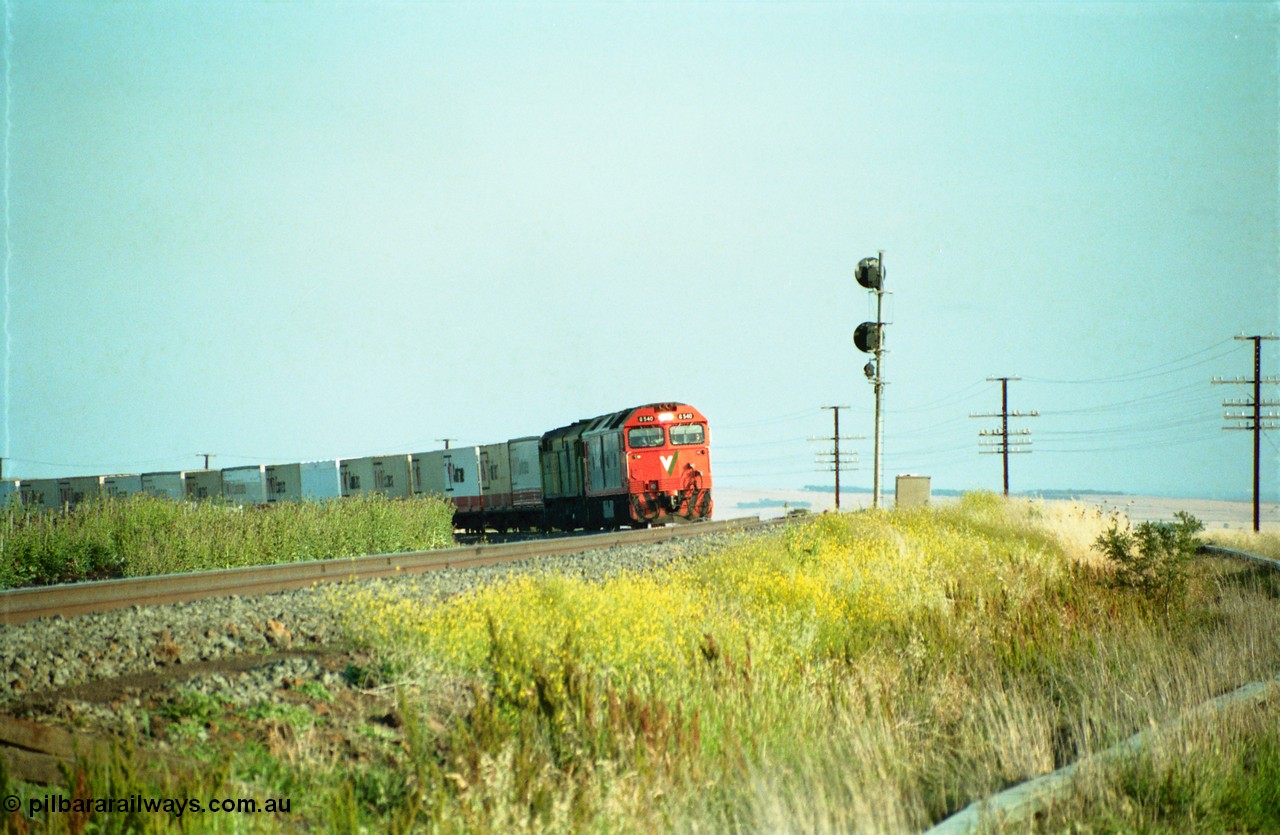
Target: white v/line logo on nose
666,462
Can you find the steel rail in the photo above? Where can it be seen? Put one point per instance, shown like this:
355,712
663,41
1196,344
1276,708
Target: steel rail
1219,551
67,600
1017,805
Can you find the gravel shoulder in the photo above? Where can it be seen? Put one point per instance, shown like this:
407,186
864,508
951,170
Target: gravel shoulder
133,670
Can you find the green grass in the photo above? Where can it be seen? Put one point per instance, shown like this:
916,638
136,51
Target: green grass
869,672
144,535
1219,773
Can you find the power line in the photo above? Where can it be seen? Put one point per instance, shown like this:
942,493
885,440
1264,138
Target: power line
766,474
1171,394
1201,421
1148,372
788,418
930,430
759,443
954,397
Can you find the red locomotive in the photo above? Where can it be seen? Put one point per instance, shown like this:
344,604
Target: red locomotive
637,467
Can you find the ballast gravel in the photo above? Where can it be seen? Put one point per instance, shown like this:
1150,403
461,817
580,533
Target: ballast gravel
55,654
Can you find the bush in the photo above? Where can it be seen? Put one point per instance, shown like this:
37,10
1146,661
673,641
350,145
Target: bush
1153,557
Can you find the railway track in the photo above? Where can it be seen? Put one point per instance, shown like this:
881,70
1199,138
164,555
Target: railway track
1018,805
1231,553
21,605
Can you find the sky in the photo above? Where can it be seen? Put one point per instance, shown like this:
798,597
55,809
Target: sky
279,231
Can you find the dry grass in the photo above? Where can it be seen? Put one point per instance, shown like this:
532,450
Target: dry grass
1263,544
868,672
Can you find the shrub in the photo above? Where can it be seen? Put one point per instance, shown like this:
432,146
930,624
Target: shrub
1153,557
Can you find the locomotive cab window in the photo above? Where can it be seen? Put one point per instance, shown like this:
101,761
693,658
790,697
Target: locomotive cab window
689,434
645,436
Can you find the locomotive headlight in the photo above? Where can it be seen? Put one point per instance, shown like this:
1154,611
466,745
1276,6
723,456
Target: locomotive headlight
666,417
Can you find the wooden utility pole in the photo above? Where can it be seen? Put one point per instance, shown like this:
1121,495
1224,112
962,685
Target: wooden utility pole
837,461
446,441
1254,419
1004,445
207,456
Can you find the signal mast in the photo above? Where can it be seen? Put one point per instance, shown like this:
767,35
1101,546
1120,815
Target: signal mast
869,338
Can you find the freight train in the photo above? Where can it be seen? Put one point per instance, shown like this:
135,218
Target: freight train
642,466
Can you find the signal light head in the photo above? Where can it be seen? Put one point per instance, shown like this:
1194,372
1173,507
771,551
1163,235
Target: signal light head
868,337
868,273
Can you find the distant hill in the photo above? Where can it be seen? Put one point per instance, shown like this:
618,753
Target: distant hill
943,491
1070,494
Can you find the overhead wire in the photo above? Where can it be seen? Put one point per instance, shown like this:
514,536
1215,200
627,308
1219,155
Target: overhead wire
1171,394
131,462
1145,373
1177,422
761,443
768,421
1123,447
955,396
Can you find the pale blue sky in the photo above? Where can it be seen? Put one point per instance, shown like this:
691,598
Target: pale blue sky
280,231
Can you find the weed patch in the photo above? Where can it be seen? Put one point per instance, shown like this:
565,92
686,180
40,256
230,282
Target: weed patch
948,653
